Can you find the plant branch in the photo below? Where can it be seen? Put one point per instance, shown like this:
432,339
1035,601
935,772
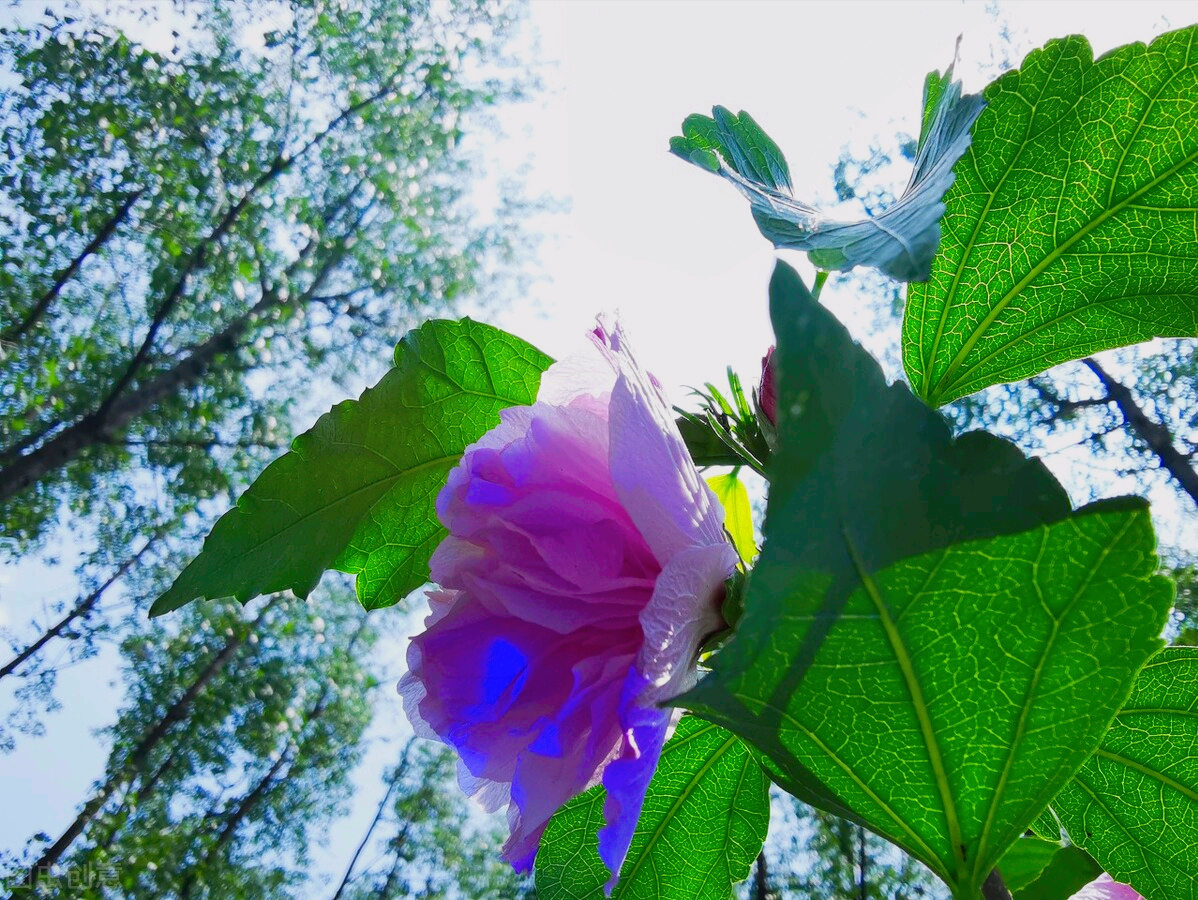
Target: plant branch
278,166
761,890
205,443
378,816
1063,406
99,426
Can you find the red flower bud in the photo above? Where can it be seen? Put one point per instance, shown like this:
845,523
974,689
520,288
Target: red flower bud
767,394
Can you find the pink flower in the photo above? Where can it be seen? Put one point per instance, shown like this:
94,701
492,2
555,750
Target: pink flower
584,566
1106,888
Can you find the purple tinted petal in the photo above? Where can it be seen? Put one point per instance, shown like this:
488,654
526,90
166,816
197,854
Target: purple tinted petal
522,705
536,529
586,373
627,777
683,611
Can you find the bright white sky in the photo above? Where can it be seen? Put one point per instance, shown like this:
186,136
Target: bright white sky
672,248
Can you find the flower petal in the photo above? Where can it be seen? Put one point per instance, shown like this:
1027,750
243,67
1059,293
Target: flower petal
626,778
585,373
1106,888
523,706
651,468
584,566
682,612
536,528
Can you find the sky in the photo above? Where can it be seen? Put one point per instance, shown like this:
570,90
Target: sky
670,248
674,249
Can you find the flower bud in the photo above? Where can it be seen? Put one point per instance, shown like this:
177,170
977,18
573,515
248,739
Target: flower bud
767,394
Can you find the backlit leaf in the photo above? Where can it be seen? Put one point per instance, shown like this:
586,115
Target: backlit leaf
1071,226
901,241
918,650
1040,870
356,491
738,513
1134,804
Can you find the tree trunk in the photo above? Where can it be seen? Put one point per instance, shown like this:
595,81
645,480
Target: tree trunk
1154,434
862,880
761,890
396,846
102,424
246,805
199,256
82,609
250,801
136,760
96,428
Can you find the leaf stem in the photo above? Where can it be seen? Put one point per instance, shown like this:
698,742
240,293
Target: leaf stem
821,277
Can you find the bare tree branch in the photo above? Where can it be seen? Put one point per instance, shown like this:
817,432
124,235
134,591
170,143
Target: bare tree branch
399,772
279,165
83,608
1154,434
14,333
101,425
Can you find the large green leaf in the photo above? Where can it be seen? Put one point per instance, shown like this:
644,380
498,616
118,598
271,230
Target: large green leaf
703,824
356,491
917,651
901,241
1134,805
1071,225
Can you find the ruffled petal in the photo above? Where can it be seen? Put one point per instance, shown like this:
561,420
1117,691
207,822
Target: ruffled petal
523,707
651,468
584,565
682,613
585,373
536,528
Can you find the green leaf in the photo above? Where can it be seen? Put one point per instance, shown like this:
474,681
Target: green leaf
1070,870
1023,863
900,242
1070,228
357,490
704,443
702,826
1134,805
917,651
738,513
1041,870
